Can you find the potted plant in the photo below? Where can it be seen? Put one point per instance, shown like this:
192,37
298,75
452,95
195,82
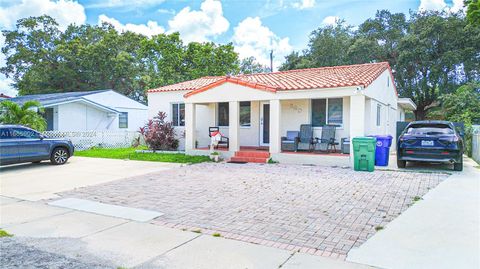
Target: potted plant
215,156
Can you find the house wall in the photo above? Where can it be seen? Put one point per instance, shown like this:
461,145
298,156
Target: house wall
205,115
249,136
296,112
381,92
137,112
86,118
295,105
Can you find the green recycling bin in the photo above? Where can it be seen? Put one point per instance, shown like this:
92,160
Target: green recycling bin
364,153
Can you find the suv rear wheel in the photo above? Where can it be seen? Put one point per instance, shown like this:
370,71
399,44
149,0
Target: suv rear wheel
401,164
59,156
458,166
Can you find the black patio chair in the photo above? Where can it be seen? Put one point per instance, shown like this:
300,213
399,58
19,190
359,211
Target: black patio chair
290,142
223,140
327,141
306,139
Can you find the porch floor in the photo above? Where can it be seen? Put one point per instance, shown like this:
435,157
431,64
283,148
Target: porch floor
252,148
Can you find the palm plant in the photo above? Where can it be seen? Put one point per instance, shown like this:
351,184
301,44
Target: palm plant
26,114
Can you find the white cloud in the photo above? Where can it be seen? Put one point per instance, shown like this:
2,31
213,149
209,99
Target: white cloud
64,12
149,29
125,3
199,25
330,20
5,87
304,4
440,5
432,5
166,11
458,5
251,38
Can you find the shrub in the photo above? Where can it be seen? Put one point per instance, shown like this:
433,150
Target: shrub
159,134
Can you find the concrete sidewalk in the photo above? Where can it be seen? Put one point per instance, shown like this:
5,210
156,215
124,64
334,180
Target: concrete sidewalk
87,238
440,231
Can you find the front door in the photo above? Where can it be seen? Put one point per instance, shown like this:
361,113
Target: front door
264,124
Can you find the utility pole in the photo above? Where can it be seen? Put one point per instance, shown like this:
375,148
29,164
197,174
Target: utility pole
271,60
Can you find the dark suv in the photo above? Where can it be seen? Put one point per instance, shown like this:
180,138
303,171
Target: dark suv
430,141
19,144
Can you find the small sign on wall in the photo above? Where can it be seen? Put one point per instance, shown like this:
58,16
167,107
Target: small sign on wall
296,108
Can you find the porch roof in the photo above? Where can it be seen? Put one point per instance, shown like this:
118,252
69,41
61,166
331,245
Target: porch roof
301,79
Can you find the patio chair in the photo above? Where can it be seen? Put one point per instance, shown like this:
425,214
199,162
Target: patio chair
290,142
223,140
306,140
327,141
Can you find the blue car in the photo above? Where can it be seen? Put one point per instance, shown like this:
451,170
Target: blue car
430,141
19,144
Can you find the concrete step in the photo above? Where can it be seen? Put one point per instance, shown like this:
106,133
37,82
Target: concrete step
248,159
254,154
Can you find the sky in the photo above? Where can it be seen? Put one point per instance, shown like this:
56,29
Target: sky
254,26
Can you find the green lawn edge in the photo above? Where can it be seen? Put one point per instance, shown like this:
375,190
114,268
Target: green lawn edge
131,154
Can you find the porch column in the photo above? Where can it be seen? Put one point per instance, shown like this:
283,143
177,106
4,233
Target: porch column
275,121
190,126
357,119
234,126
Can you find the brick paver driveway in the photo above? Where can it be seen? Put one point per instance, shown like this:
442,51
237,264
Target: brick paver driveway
320,210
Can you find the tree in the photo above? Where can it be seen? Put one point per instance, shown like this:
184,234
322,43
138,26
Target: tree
431,54
209,59
463,105
438,53
43,59
251,66
167,60
378,39
473,11
328,46
26,114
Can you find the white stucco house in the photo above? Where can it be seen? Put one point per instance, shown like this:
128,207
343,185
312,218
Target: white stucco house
100,110
254,111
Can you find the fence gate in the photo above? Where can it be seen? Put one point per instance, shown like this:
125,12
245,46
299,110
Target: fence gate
400,127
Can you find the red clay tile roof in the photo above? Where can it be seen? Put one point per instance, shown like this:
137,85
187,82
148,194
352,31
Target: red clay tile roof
189,85
312,78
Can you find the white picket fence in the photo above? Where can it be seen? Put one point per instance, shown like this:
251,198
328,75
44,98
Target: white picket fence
476,143
103,139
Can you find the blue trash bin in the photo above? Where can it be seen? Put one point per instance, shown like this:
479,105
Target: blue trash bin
383,149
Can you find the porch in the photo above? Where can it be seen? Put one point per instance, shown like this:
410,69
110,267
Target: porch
262,155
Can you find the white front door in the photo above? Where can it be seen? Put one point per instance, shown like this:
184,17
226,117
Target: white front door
264,123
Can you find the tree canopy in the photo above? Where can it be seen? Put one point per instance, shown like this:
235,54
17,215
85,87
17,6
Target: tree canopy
41,58
431,53
473,12
251,66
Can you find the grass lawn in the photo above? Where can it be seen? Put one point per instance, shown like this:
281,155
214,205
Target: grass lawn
4,233
130,154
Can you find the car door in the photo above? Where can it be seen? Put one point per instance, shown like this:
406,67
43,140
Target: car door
31,146
8,147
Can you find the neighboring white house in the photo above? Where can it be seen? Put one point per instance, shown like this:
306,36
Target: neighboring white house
89,111
257,110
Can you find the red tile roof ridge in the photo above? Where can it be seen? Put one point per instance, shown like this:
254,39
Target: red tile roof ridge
315,68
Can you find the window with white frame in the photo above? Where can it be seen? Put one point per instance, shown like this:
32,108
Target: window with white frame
379,112
178,114
123,120
245,114
327,111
